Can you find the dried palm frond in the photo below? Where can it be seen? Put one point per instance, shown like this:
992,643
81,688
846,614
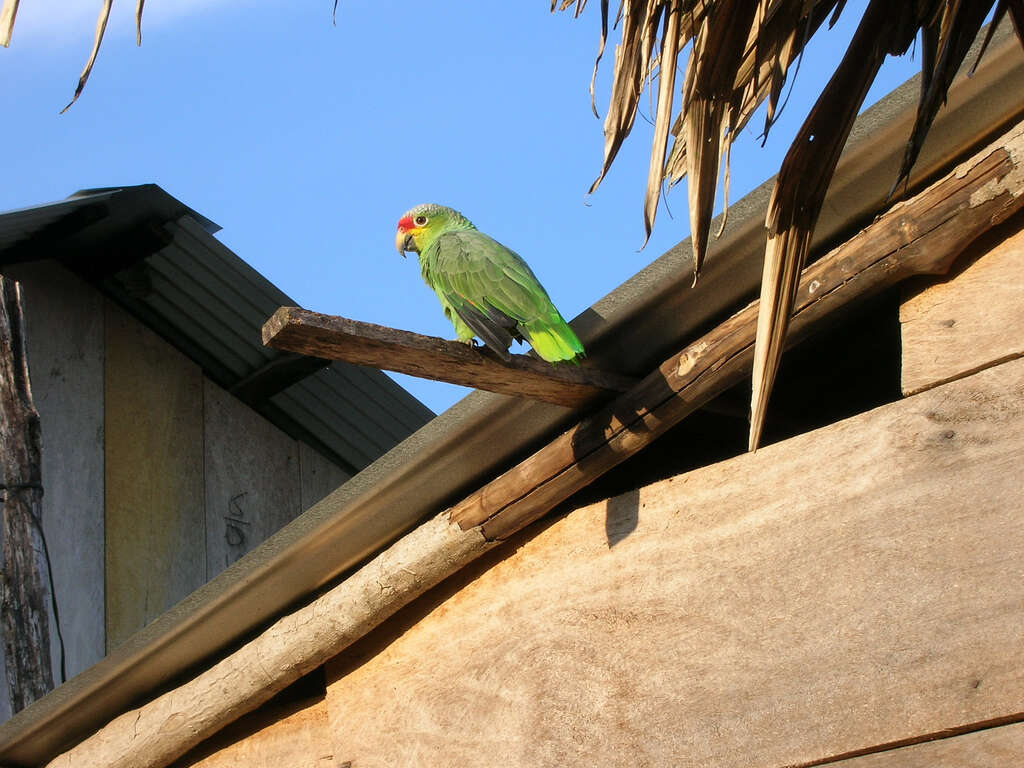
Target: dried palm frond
101,28
8,13
740,55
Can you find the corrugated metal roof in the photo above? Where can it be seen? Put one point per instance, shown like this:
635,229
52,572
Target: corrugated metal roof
635,327
174,275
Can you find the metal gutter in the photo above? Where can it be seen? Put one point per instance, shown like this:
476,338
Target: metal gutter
631,329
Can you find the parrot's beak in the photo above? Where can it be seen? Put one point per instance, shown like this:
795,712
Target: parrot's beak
404,241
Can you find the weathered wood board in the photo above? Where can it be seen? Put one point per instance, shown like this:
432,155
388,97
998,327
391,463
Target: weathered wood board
1000,747
274,736
338,338
64,317
252,478
155,525
855,586
319,476
961,324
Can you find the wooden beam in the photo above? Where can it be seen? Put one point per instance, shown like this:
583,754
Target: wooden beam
338,338
923,235
276,376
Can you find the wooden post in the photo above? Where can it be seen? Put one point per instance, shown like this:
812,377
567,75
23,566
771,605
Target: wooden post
24,619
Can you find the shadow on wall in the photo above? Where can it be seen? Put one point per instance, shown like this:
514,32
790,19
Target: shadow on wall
622,516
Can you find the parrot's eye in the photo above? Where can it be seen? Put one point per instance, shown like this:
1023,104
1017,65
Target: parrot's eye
420,221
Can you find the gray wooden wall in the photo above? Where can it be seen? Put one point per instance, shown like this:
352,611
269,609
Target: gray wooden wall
155,478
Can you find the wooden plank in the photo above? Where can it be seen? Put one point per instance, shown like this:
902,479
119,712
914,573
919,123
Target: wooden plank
252,478
289,735
319,476
65,339
922,235
961,324
990,748
24,588
338,338
850,587
156,525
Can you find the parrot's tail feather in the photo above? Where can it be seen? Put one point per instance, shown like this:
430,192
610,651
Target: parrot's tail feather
555,343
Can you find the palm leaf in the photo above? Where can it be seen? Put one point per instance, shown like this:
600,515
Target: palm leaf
741,52
8,13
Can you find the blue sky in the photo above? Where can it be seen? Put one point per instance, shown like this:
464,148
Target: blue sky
306,141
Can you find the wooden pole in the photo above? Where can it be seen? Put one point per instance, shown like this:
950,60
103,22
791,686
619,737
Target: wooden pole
923,235
338,338
24,613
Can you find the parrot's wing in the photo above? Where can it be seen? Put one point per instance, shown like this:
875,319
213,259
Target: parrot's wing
493,334
490,287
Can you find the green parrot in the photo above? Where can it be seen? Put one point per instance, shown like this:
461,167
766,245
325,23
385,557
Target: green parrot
486,289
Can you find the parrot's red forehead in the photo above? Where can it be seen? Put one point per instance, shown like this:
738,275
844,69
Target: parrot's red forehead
405,223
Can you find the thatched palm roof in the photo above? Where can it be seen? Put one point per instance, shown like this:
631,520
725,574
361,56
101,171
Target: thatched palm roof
738,54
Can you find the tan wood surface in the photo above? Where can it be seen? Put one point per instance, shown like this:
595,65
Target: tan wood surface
854,586
966,322
1000,747
155,525
251,477
338,338
292,735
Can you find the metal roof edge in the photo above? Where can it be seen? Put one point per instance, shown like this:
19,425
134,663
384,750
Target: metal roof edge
484,433
160,194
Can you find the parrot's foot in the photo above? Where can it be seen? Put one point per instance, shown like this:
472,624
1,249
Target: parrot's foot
470,342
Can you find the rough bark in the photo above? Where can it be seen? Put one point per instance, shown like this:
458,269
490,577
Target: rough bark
24,617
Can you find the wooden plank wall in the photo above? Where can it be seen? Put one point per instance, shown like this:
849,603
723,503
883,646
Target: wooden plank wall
965,322
258,479
318,476
856,600
861,586
156,479
156,525
65,338
252,478
858,592
195,478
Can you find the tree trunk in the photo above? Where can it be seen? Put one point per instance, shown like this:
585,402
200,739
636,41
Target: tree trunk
24,618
